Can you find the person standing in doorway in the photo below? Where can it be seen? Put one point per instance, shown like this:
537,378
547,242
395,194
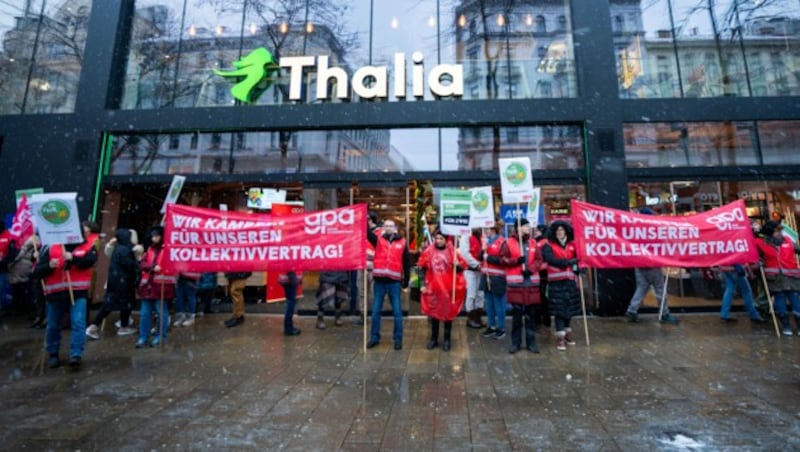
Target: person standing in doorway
392,267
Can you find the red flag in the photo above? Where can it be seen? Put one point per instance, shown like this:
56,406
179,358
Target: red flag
22,227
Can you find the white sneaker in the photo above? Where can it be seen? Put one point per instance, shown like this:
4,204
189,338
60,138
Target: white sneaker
126,331
93,332
179,318
118,323
189,321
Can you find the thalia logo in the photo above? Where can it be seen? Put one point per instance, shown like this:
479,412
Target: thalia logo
372,82
368,82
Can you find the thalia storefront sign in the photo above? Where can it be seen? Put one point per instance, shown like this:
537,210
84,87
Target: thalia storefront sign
372,82
367,82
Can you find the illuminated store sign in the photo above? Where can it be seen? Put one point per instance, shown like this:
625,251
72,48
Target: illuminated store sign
367,82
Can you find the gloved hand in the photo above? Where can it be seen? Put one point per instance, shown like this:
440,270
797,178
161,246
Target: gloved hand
572,261
526,273
459,268
521,260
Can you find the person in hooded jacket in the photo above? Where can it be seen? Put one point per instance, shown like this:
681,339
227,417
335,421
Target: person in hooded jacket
120,286
19,277
565,300
445,288
782,273
156,290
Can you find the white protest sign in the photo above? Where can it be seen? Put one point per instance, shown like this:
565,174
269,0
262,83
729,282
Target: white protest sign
455,207
533,207
515,179
482,213
56,218
174,192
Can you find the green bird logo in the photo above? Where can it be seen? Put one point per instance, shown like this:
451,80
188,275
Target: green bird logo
256,66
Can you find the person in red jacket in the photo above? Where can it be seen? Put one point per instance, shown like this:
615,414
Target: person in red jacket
565,300
67,273
497,258
783,275
156,290
523,288
445,288
391,272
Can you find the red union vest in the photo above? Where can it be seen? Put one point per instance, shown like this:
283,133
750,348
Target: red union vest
5,242
494,250
80,278
158,278
475,247
561,274
389,258
779,260
514,274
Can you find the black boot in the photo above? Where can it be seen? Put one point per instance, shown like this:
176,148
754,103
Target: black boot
448,327
530,331
321,321
473,319
516,328
434,342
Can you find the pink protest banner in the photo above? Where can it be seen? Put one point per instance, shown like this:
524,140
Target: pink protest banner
209,240
611,238
22,226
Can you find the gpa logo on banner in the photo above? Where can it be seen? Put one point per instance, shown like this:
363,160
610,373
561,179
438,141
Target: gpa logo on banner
328,222
725,221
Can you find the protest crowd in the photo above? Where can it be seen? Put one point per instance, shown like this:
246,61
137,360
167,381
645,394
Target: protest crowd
532,272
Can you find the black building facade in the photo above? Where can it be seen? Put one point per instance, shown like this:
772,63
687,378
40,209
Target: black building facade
611,107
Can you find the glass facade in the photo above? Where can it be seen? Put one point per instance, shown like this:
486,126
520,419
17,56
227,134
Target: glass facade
42,54
491,50
654,145
689,48
334,151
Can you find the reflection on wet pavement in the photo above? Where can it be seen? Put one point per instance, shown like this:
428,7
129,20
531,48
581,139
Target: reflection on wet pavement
703,385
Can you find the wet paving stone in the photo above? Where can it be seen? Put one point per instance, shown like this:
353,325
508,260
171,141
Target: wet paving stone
698,386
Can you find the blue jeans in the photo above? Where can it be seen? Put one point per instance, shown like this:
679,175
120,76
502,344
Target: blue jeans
732,280
77,317
290,291
146,318
495,310
380,290
186,296
780,302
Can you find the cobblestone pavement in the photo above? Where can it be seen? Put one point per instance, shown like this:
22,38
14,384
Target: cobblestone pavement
703,385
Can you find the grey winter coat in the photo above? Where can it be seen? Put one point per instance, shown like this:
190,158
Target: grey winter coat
20,269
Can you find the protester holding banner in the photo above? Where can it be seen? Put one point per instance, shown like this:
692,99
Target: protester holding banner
333,291
290,282
67,273
523,287
445,288
185,298
737,276
156,289
470,249
782,273
497,258
647,277
120,286
236,284
565,300
392,269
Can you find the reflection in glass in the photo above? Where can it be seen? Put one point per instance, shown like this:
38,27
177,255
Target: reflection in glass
41,55
706,48
360,150
655,145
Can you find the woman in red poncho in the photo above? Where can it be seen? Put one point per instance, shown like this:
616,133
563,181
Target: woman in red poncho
437,298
